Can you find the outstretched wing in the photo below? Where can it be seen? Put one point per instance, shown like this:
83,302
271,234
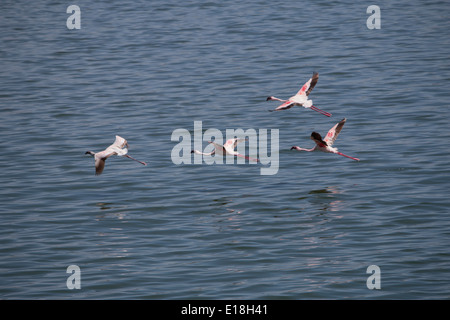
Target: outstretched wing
233,142
219,149
287,105
317,138
120,142
99,165
309,85
334,132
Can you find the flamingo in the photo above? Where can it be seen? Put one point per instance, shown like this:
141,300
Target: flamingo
301,98
325,145
119,148
226,149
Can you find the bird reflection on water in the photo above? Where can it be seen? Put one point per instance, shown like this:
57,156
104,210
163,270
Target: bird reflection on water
326,198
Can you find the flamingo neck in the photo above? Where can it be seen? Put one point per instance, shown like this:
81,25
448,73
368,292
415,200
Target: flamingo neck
203,153
303,149
275,98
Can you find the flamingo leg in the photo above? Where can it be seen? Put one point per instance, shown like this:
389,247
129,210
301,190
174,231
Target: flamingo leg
245,157
341,154
321,111
125,155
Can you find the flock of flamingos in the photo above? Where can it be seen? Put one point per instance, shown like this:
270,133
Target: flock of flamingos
120,145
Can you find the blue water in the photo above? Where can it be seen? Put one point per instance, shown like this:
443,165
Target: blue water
142,69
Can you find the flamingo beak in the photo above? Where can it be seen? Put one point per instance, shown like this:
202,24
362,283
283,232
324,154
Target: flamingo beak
269,98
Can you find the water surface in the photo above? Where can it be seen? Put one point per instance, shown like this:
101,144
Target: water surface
142,69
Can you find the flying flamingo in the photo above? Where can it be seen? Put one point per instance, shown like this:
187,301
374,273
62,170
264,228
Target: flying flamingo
325,145
226,149
119,148
301,98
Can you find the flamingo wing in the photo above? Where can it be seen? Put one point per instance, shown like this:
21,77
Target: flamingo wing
287,105
233,142
309,85
230,143
99,165
317,138
120,142
334,132
219,149
105,154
